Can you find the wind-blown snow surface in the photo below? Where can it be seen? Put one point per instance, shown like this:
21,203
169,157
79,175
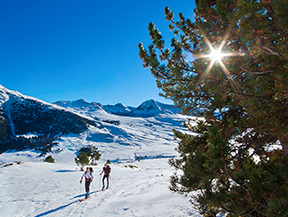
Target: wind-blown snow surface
46,189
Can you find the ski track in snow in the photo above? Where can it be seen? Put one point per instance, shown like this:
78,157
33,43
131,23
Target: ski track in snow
42,189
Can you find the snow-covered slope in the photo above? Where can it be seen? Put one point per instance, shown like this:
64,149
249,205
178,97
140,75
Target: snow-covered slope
35,189
22,116
138,141
118,109
126,139
151,108
142,132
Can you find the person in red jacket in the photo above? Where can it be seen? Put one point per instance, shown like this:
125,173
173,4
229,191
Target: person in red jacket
106,170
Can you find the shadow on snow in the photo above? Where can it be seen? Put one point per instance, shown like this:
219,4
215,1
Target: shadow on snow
64,206
65,171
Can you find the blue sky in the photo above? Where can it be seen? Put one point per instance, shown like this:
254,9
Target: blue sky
81,49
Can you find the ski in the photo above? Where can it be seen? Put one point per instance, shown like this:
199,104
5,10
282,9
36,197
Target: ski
103,189
83,199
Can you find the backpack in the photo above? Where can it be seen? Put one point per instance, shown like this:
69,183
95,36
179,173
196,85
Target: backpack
107,169
91,170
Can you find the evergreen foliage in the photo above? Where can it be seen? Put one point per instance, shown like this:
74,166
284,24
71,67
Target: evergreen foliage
42,143
81,160
49,159
4,128
232,163
92,153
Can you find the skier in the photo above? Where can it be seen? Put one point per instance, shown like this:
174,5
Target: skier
106,170
88,179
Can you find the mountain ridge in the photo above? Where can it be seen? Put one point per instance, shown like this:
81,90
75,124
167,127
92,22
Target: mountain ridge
30,123
21,115
148,108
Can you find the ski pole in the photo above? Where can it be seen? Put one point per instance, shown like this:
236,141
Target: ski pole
91,183
110,183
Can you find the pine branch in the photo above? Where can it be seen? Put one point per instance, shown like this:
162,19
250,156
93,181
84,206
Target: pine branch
164,75
269,50
230,176
184,66
256,73
225,209
243,95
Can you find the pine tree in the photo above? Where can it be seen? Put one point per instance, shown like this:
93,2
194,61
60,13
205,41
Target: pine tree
94,155
82,160
49,159
232,163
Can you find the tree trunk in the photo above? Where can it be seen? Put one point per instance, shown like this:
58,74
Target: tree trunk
284,144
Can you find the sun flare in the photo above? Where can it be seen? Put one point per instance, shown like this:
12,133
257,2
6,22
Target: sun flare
216,55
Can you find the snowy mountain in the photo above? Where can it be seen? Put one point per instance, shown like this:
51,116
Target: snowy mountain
151,108
138,141
148,108
137,133
28,122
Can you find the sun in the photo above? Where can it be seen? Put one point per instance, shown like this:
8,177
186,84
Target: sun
216,55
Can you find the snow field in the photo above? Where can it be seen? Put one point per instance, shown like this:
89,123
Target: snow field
44,189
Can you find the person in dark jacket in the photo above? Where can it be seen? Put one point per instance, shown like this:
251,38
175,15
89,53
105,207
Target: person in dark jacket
106,170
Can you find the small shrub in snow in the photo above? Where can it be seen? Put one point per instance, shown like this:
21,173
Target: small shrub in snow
131,166
82,160
49,159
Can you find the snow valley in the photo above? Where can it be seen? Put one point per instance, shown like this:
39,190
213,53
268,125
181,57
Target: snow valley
138,142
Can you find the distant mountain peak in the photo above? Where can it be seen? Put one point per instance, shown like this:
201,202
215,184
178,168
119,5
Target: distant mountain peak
150,104
82,101
146,109
120,105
